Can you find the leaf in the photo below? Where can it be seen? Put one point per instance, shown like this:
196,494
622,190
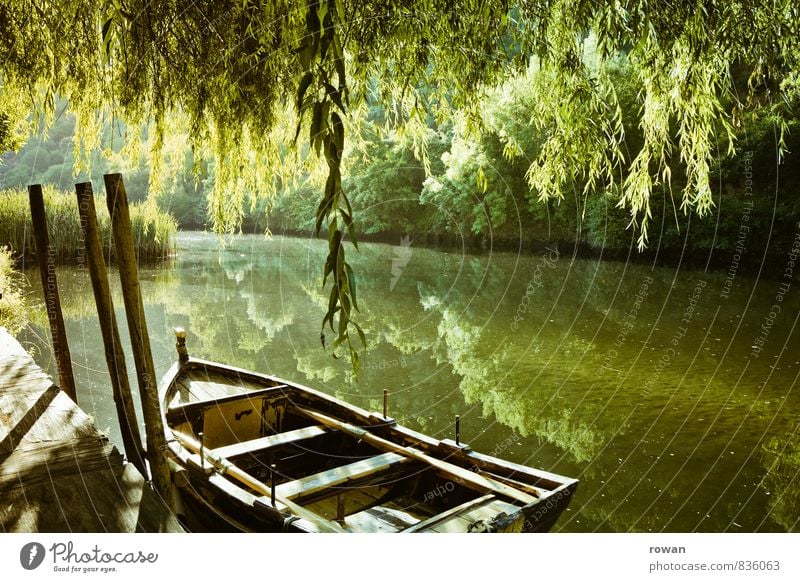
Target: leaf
342,323
302,87
360,333
348,222
338,62
340,10
338,130
326,204
315,130
335,96
332,155
351,278
306,53
105,34
356,361
312,18
327,36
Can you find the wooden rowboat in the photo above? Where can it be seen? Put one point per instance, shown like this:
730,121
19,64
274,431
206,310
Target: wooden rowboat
251,452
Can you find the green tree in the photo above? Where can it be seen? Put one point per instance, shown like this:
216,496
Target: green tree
240,77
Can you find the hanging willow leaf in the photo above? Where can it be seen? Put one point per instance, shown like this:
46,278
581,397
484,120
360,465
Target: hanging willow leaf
302,87
227,69
338,130
315,130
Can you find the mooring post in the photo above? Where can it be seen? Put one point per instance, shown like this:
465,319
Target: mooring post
115,356
385,404
47,268
125,251
458,429
180,345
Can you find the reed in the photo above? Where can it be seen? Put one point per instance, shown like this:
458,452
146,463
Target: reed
154,231
13,314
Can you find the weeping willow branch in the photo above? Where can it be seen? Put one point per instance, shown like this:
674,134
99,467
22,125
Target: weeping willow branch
246,77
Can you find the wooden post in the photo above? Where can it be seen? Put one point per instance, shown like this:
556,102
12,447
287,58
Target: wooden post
458,429
47,268
202,438
340,514
272,470
115,357
385,403
180,345
117,201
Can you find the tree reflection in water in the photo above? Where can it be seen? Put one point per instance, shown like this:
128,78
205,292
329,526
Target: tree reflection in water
574,366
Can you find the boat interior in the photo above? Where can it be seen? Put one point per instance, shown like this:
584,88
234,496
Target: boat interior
262,429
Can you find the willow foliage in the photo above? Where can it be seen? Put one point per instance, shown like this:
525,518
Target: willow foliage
254,83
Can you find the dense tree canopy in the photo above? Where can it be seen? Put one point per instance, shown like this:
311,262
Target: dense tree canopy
246,80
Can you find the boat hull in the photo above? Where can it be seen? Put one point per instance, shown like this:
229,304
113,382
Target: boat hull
255,453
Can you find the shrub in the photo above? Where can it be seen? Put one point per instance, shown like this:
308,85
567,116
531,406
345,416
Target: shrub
12,303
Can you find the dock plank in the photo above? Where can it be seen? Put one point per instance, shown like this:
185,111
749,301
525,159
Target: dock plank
58,472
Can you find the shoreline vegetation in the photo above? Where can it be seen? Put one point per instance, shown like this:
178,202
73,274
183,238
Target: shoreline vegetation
13,308
154,229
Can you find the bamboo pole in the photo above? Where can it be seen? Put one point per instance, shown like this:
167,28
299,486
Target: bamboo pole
117,201
115,357
47,268
456,473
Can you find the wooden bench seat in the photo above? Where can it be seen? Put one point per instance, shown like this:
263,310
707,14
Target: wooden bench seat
338,475
267,442
181,412
450,514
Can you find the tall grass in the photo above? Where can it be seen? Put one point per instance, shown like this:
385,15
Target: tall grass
153,230
13,314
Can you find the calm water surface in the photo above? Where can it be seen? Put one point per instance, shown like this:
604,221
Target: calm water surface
670,393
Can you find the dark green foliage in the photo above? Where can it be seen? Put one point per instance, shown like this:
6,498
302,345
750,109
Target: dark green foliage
239,79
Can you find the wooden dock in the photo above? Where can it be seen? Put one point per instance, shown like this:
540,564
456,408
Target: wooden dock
58,472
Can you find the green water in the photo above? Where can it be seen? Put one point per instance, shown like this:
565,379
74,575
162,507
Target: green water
670,393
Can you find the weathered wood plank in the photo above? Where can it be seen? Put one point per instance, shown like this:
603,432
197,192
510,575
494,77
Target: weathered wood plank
19,413
456,473
381,519
58,472
111,499
449,514
49,461
180,411
339,475
263,443
234,472
470,519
